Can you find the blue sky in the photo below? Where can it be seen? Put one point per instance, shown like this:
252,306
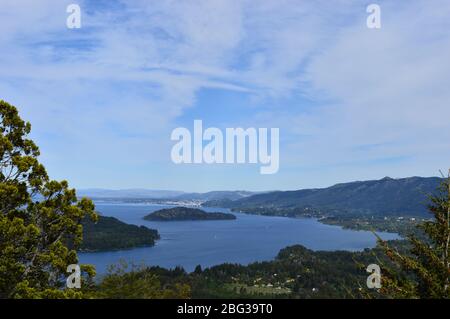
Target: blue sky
351,103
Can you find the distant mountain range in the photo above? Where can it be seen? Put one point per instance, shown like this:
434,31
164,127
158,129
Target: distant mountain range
384,197
138,193
215,195
387,196
127,193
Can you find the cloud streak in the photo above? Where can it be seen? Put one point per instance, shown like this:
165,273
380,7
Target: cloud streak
350,102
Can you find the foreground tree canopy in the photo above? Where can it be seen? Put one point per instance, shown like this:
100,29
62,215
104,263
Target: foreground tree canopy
425,271
40,219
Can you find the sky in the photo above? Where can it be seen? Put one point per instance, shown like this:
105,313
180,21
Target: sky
351,103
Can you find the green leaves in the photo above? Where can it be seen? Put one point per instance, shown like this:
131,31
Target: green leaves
129,281
428,265
40,219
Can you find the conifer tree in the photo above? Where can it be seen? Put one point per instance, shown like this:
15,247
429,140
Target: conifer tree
40,219
425,272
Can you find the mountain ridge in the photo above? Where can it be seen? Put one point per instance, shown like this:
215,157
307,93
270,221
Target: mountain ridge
386,197
142,193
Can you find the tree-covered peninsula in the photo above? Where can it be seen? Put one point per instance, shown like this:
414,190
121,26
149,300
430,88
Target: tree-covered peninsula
109,233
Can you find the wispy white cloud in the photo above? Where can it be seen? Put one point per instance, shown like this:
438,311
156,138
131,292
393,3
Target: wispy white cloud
118,85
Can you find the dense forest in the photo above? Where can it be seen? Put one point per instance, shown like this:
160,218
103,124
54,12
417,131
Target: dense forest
109,233
384,197
186,213
296,272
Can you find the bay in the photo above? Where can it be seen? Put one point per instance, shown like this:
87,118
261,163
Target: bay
247,239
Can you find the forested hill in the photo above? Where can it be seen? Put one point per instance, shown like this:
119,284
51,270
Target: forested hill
186,213
387,196
109,233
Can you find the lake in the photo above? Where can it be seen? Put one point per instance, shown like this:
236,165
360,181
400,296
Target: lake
247,239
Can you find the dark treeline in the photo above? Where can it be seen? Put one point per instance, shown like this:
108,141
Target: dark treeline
186,213
109,233
296,272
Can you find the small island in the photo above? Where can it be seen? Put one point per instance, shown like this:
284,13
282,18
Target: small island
185,213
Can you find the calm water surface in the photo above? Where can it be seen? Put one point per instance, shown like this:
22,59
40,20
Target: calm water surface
247,239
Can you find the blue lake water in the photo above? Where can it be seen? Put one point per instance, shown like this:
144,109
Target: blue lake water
247,239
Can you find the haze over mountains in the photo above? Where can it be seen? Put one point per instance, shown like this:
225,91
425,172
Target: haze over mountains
387,196
216,195
127,193
99,193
